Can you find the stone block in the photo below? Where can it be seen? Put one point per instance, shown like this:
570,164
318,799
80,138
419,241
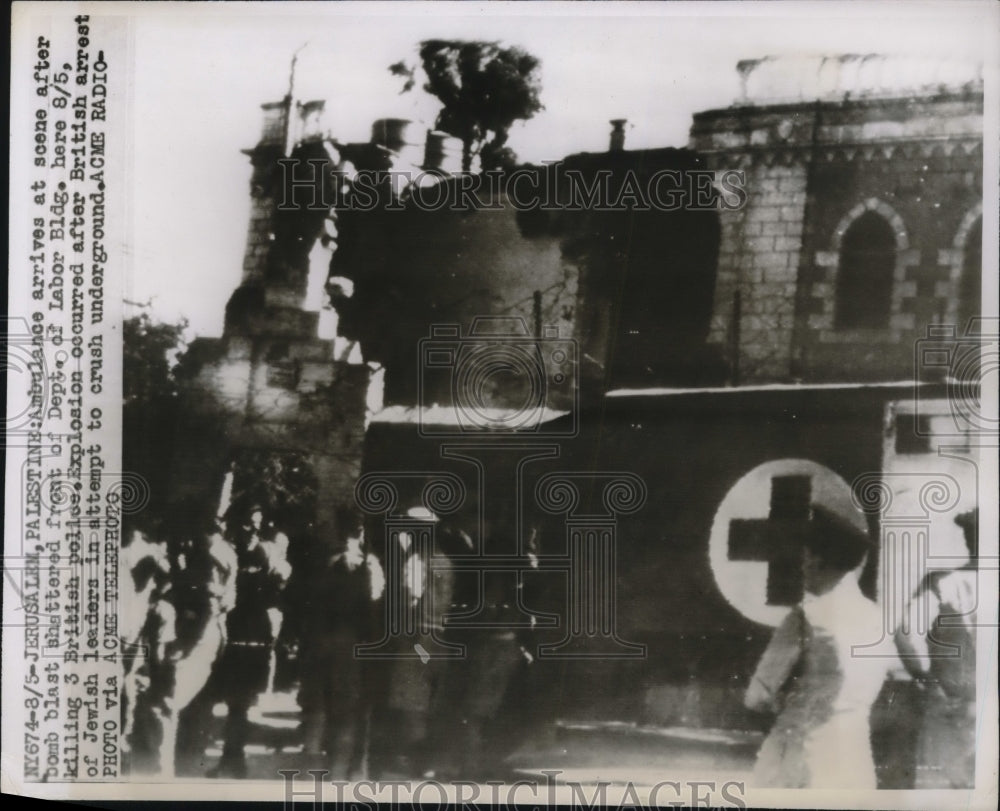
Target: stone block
282,322
785,172
770,260
795,184
311,351
775,229
314,375
789,243
949,256
775,299
779,276
290,297
766,214
827,259
760,244
767,191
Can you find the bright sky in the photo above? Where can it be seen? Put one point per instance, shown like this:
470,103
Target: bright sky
202,71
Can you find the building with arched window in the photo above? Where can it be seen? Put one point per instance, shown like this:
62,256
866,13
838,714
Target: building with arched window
863,220
865,273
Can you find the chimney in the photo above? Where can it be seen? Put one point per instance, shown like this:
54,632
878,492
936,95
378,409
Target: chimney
443,153
273,131
311,119
617,134
399,136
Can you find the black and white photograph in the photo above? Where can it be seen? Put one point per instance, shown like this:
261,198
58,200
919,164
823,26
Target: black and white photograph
503,403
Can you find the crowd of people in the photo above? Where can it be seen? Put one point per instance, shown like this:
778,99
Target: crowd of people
202,618
209,616
206,614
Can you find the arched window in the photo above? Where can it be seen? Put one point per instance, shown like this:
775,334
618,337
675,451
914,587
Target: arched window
865,274
970,291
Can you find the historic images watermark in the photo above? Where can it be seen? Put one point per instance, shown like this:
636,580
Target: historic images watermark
498,377
319,184
498,383
967,360
314,785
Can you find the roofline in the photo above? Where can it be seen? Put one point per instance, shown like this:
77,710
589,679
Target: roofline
766,387
779,105
448,417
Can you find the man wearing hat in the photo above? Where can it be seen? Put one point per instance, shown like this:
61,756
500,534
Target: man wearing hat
425,596
822,693
943,662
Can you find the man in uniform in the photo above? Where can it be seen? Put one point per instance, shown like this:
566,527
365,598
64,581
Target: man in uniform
245,667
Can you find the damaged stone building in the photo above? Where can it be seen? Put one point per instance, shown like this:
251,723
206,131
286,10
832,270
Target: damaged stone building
686,347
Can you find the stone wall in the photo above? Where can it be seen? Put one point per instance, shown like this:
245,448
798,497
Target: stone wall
811,170
272,382
415,270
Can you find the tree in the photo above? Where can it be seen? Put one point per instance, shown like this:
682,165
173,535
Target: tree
150,351
483,87
155,368
282,483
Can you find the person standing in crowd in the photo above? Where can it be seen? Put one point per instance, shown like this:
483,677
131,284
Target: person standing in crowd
332,695
275,544
937,644
468,728
402,716
147,628
208,571
246,662
822,693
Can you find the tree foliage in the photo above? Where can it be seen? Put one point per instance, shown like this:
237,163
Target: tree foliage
483,88
150,350
281,482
